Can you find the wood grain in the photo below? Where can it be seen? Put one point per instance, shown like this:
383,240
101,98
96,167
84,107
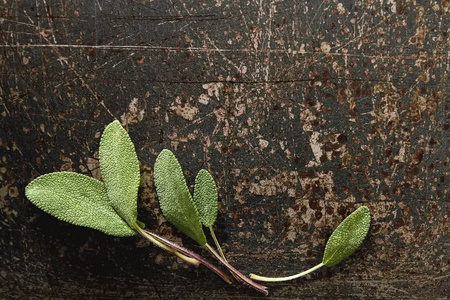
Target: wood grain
301,110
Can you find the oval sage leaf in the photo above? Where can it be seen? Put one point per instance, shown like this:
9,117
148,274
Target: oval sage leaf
347,237
77,199
174,197
119,166
206,198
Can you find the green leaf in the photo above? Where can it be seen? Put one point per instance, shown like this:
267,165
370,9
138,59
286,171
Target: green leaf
77,199
347,237
174,197
206,198
120,171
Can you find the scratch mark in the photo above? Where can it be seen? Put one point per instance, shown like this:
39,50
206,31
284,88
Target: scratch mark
220,51
123,60
99,6
203,49
61,58
269,38
50,21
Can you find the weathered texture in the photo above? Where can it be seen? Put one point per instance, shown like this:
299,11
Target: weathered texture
300,109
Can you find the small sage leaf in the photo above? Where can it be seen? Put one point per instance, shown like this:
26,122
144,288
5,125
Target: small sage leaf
140,224
174,197
77,199
347,237
206,198
119,166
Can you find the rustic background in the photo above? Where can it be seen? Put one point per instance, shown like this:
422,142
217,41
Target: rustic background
302,111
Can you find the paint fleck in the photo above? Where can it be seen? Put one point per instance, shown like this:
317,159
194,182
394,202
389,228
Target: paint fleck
134,114
325,47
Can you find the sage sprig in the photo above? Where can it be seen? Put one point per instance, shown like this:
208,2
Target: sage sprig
109,206
344,240
179,209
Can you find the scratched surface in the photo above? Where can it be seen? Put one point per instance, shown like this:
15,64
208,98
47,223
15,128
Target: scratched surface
302,111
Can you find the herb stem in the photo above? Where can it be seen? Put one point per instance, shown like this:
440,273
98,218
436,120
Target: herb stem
174,248
278,279
216,242
236,273
219,248
155,241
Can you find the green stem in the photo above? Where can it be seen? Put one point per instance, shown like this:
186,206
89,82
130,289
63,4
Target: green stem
220,248
236,273
277,279
216,242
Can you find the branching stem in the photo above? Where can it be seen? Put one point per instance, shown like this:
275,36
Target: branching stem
211,229
236,273
155,241
174,248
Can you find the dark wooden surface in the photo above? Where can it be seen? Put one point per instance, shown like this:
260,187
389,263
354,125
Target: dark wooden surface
302,110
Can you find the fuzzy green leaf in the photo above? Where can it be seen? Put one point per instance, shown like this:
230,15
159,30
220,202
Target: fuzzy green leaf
120,171
347,237
77,199
174,197
206,198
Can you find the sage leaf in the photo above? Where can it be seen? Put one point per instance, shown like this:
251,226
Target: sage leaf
77,199
206,198
206,201
119,166
347,237
344,240
174,197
